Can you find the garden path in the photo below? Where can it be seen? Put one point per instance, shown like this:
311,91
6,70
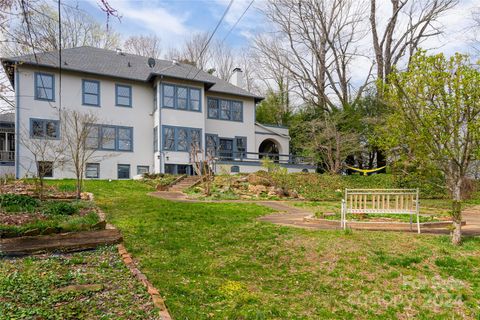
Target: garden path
287,215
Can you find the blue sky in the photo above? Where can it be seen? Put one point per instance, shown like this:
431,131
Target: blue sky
175,20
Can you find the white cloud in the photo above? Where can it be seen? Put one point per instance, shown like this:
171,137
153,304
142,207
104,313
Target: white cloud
138,16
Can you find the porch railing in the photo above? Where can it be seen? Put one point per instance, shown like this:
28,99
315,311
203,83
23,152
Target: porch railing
258,156
7,156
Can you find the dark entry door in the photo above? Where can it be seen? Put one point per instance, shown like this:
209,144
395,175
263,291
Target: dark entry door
226,148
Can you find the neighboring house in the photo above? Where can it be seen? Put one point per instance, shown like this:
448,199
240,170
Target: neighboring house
7,144
151,112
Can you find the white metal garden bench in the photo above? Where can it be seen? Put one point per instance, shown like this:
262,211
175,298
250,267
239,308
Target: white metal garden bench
380,201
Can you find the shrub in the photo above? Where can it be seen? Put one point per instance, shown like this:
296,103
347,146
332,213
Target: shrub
60,208
18,202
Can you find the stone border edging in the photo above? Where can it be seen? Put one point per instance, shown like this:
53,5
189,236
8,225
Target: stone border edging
131,264
154,293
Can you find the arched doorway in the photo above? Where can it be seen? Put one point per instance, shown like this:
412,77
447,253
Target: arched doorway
269,148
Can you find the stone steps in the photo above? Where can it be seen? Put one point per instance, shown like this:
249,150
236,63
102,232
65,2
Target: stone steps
185,183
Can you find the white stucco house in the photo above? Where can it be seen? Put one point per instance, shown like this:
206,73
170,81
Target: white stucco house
150,113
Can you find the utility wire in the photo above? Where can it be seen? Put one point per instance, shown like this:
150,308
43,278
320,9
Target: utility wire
211,36
238,20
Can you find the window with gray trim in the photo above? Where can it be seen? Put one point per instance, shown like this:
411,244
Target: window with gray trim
45,168
143,169
211,144
123,95
92,170
181,97
181,139
223,109
110,138
44,86
43,128
91,92
124,139
241,146
123,171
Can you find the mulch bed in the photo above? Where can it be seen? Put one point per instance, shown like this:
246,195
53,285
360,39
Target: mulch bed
52,193
21,218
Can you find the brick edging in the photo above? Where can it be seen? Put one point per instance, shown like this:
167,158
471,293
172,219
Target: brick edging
154,294
131,264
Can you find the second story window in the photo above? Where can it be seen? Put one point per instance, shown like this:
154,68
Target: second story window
112,138
44,86
41,128
91,93
181,97
222,109
123,95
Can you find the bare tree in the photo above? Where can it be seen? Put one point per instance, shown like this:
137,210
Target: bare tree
79,136
36,29
46,153
194,51
272,69
245,61
147,46
316,43
203,166
222,60
32,26
329,143
402,38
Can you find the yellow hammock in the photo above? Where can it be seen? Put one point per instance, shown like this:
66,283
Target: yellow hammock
365,171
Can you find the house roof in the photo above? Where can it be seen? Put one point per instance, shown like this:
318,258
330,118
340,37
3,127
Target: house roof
127,66
7,117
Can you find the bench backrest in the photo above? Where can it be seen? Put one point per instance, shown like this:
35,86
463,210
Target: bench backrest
401,201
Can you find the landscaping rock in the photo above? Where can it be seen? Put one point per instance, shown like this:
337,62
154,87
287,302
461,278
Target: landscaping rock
256,180
293,194
49,230
32,232
100,225
280,192
257,189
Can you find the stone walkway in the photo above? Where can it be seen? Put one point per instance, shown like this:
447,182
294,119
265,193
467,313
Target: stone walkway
288,215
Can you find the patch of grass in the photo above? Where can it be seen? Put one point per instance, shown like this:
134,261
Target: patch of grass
216,261
30,288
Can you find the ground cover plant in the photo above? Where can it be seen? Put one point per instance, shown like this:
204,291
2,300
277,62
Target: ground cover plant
22,214
320,187
216,261
86,285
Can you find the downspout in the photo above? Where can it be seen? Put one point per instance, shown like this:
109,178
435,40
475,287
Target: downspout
159,131
17,123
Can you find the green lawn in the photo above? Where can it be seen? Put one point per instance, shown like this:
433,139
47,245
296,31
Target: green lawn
41,288
215,261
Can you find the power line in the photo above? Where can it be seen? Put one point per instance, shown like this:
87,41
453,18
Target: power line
238,20
210,38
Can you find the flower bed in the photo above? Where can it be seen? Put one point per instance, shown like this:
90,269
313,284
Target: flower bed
24,215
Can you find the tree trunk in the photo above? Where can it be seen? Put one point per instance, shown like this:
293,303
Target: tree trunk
79,188
457,214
